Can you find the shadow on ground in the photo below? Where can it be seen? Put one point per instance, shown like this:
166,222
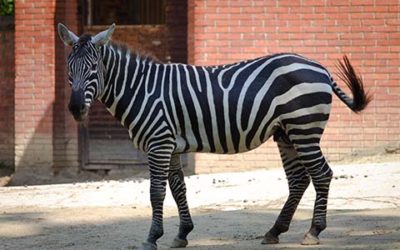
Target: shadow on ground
126,227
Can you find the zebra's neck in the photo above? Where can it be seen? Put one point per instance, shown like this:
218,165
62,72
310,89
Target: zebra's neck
124,79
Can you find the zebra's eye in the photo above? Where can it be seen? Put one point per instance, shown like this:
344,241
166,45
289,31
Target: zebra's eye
94,67
69,75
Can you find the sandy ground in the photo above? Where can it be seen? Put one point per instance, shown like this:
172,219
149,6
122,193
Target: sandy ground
230,211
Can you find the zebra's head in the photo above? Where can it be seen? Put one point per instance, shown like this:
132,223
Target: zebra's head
85,68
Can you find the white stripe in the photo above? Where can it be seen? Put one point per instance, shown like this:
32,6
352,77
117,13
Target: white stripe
225,101
136,72
172,100
151,91
316,124
246,86
293,92
297,90
128,109
111,71
118,96
199,112
188,125
135,121
163,95
146,128
211,104
196,74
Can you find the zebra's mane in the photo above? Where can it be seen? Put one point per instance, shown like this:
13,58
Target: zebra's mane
124,48
81,48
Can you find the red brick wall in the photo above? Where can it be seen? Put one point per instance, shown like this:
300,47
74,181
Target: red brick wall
367,31
38,114
7,75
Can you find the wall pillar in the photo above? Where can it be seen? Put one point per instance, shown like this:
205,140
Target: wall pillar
176,22
7,76
34,83
65,132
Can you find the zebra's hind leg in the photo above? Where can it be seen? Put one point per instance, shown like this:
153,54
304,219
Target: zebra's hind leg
298,181
321,175
178,190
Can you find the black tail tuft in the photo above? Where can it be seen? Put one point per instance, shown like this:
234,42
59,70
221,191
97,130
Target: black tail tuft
355,84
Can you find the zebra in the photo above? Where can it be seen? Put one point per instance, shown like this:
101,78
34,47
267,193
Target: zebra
170,109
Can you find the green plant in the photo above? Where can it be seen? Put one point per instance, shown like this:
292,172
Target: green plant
3,165
6,7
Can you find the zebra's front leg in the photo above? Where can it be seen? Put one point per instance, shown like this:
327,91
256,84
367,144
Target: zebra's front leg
159,161
298,181
178,190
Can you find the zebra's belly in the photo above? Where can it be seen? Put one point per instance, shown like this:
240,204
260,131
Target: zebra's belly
190,145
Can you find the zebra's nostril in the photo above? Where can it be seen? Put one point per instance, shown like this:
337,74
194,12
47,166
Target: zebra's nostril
76,109
72,108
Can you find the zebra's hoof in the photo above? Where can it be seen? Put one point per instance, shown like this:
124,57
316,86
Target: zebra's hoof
179,243
148,246
270,239
310,239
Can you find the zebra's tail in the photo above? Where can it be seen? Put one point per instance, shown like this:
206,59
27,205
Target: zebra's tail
354,82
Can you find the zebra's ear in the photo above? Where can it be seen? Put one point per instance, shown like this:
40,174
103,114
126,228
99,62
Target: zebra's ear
103,37
68,37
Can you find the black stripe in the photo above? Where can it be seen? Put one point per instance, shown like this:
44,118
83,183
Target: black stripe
305,119
178,107
192,112
204,105
309,131
219,110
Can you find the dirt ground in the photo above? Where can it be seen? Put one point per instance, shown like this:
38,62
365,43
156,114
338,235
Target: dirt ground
126,227
230,211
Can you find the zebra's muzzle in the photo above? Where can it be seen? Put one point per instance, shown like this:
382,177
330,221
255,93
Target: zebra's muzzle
77,105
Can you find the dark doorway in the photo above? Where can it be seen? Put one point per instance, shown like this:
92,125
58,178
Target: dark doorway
158,27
